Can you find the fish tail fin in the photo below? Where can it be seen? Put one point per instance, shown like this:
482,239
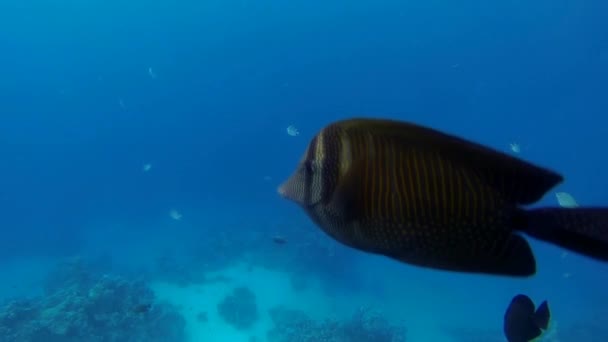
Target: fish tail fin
542,316
582,230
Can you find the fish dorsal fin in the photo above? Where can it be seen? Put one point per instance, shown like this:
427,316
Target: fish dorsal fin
519,181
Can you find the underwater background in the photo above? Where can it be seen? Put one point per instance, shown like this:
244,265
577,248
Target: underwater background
142,143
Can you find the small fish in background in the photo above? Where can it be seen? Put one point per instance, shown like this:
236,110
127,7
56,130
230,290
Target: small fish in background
522,322
174,214
146,167
279,240
293,131
515,148
151,73
142,308
427,198
565,200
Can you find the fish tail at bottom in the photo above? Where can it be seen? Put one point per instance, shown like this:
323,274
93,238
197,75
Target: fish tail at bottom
582,230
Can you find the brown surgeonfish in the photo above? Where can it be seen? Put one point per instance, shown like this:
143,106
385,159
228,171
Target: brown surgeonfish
430,199
522,323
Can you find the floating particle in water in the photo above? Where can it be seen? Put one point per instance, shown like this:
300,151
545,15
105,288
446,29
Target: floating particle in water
515,147
142,308
564,255
293,131
279,240
147,167
267,178
151,72
175,215
566,200
122,104
567,275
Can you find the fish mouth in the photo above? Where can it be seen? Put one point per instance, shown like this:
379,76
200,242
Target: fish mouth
281,190
284,191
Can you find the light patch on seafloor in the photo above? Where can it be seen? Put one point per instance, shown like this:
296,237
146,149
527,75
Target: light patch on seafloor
271,289
417,308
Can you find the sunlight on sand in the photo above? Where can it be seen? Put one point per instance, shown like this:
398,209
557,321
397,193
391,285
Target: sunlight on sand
271,288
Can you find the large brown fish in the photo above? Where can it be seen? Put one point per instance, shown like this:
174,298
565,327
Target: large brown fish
431,199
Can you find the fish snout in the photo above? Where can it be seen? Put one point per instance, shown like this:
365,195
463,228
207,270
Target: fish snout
281,190
290,190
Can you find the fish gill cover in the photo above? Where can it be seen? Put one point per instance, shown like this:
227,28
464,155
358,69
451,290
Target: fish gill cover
153,135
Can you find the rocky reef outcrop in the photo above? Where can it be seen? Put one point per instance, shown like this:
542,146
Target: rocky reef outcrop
365,325
82,305
239,308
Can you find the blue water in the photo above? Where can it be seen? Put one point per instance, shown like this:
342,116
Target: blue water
203,91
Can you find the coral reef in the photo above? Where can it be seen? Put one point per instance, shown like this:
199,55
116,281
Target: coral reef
81,305
364,325
239,308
